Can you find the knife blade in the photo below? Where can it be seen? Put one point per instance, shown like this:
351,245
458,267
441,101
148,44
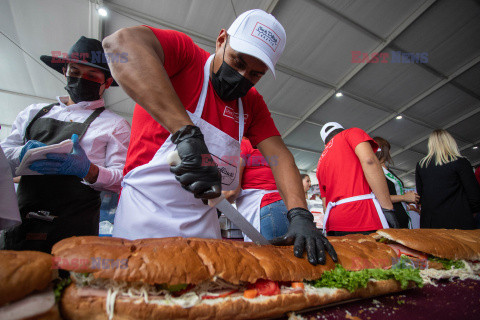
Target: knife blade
237,219
227,209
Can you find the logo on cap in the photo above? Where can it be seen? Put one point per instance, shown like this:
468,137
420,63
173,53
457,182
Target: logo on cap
267,35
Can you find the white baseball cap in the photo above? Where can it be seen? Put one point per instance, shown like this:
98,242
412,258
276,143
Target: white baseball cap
260,35
328,128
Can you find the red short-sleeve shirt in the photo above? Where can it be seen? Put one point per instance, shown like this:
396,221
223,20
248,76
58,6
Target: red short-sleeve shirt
184,64
257,173
340,175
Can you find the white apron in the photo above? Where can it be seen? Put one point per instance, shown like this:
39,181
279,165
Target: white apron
332,204
248,204
154,205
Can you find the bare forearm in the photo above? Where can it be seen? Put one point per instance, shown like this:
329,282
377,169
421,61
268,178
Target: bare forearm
373,173
143,76
285,171
289,184
377,182
397,198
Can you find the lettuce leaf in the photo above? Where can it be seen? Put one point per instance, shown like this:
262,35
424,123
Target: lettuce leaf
177,287
59,287
353,280
448,264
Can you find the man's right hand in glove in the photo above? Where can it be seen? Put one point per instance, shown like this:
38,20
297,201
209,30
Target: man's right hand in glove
31,144
197,171
305,236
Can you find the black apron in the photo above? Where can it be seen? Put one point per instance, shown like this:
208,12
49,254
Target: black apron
74,205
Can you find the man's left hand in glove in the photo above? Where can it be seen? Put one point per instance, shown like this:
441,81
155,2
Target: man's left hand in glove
75,163
304,235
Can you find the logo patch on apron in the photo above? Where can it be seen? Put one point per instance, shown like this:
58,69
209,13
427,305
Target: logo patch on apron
228,169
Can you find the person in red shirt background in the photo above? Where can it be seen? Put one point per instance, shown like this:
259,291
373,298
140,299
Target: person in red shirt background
352,184
257,197
201,105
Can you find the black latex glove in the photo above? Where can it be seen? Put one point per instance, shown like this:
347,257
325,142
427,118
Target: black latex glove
391,218
303,233
197,172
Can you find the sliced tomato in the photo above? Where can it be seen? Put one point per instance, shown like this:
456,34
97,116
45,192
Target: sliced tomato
250,293
298,285
267,287
222,295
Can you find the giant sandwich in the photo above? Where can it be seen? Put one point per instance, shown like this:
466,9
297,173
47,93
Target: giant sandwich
440,253
178,278
26,290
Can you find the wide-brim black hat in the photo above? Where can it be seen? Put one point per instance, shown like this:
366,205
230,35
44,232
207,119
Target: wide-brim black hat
85,51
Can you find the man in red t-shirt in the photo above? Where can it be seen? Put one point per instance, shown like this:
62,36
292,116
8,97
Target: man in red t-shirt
349,168
201,106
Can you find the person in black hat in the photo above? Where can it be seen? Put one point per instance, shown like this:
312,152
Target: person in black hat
64,199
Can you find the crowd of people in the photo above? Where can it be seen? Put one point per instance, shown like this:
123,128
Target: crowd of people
182,96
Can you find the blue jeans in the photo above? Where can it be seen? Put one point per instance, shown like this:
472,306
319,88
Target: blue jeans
273,220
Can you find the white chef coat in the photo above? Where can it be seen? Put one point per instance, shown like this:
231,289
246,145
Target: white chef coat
105,142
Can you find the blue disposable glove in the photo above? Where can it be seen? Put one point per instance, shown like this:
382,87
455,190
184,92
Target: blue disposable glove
75,163
31,144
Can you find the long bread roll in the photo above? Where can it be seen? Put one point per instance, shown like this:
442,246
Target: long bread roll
123,279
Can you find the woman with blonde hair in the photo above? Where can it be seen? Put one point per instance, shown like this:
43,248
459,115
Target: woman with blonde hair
399,197
449,192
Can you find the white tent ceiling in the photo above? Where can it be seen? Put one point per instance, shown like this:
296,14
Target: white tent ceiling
317,63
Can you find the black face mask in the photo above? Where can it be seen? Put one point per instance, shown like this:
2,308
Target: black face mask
81,89
228,83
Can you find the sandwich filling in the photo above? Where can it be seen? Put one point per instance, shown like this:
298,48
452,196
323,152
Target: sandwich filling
219,290
34,304
461,269
434,267
353,280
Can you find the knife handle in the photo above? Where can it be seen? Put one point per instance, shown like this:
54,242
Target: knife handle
213,202
173,159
